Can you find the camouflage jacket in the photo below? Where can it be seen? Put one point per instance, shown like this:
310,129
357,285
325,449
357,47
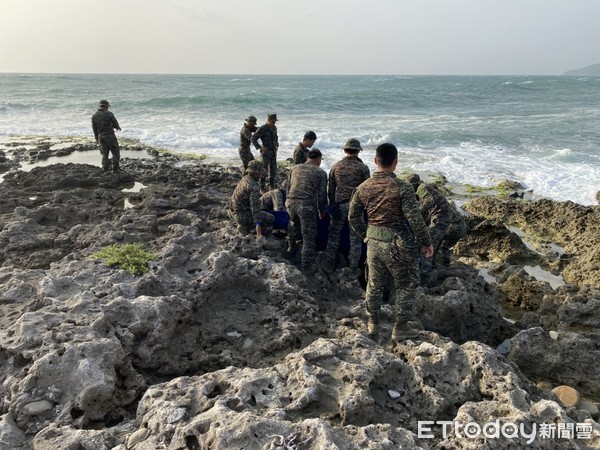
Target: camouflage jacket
273,200
268,136
300,154
308,183
344,176
246,137
246,197
432,203
104,123
390,203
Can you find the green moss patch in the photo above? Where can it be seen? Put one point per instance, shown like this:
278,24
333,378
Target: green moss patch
130,257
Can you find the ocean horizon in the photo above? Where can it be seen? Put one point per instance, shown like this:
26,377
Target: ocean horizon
541,131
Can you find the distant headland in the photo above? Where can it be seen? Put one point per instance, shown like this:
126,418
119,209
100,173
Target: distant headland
593,70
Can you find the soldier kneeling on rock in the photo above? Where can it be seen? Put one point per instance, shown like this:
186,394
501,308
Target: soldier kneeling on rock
244,204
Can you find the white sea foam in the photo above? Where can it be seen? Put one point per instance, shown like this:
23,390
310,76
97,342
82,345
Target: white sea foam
474,130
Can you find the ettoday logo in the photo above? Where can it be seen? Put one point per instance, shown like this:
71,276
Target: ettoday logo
508,430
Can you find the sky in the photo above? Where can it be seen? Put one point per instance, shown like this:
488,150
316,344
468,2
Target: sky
413,37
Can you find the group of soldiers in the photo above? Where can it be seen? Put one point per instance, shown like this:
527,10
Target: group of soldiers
408,225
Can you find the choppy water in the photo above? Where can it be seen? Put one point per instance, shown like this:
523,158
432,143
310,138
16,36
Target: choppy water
541,131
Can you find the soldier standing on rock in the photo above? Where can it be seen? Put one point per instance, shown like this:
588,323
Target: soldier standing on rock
301,151
104,124
306,197
395,234
267,134
248,128
244,203
344,176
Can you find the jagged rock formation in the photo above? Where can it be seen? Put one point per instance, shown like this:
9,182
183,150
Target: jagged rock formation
225,344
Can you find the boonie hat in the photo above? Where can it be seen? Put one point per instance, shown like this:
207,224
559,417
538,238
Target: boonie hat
352,144
255,166
272,116
251,119
104,103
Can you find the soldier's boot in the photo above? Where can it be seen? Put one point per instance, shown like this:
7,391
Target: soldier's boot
403,330
373,328
328,265
292,248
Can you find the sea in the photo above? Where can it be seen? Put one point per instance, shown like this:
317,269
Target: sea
541,131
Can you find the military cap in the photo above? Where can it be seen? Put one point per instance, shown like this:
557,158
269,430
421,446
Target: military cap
272,116
255,166
104,104
251,119
352,144
413,179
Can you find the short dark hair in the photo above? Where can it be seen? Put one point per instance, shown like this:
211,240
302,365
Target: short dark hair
386,154
314,153
310,135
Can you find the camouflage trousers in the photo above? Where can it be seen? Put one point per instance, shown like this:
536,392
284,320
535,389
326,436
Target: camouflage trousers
437,231
400,262
108,145
303,225
454,233
338,219
246,156
270,163
245,221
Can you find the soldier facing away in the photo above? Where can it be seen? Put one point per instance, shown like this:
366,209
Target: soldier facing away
344,176
104,124
248,128
395,236
244,203
306,197
267,135
301,151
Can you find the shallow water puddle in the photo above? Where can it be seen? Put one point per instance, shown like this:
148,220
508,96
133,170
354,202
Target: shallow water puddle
540,274
485,274
137,187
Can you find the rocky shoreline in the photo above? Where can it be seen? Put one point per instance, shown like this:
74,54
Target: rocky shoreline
224,344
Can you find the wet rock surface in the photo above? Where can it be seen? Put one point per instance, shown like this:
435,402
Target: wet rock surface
225,344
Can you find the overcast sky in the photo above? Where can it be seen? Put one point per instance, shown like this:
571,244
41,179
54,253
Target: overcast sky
454,37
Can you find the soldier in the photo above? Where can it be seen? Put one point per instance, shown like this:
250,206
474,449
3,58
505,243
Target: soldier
301,150
248,128
306,197
456,230
104,124
244,203
436,212
344,176
267,134
395,236
273,200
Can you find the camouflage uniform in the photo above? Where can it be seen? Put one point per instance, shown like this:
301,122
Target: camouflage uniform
306,196
244,206
300,154
273,200
394,235
436,212
245,139
104,124
344,176
456,230
268,136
